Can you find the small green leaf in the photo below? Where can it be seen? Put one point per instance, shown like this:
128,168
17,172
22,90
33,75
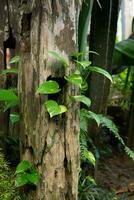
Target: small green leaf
74,79
33,177
23,166
10,104
90,157
10,71
84,63
54,109
62,109
7,95
83,99
21,180
15,59
101,71
14,118
84,86
91,180
48,87
59,58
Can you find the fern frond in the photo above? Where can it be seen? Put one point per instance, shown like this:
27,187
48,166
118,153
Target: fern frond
105,122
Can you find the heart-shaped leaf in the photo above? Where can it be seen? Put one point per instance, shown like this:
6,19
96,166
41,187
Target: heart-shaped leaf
54,109
48,87
23,166
33,176
75,79
21,180
83,99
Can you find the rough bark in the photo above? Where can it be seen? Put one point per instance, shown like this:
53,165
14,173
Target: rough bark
3,15
102,39
51,144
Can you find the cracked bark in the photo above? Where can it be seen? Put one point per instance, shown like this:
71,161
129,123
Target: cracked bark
51,144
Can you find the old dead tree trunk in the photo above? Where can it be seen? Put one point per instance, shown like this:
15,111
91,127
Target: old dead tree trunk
51,144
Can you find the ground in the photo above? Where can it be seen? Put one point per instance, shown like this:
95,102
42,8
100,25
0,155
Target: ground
117,172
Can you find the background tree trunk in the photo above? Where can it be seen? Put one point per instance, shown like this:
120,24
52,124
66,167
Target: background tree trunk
130,131
51,144
102,40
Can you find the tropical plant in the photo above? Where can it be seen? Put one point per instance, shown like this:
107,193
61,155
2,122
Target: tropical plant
26,173
51,87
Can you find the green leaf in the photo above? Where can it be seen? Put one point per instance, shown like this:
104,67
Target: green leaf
90,115
33,177
15,59
126,47
21,180
90,157
101,71
84,63
83,99
48,87
91,180
7,95
54,109
74,79
10,71
59,58
10,104
84,86
23,166
14,118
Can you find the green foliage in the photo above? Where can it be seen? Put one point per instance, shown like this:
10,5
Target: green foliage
48,87
14,118
10,71
7,187
52,87
74,79
124,53
86,114
7,95
93,192
59,58
54,109
101,71
15,59
85,153
82,99
26,174
10,104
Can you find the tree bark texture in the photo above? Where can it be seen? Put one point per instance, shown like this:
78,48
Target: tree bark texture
51,144
102,40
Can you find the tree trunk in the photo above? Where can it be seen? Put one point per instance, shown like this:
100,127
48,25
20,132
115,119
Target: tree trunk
51,144
102,40
130,131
